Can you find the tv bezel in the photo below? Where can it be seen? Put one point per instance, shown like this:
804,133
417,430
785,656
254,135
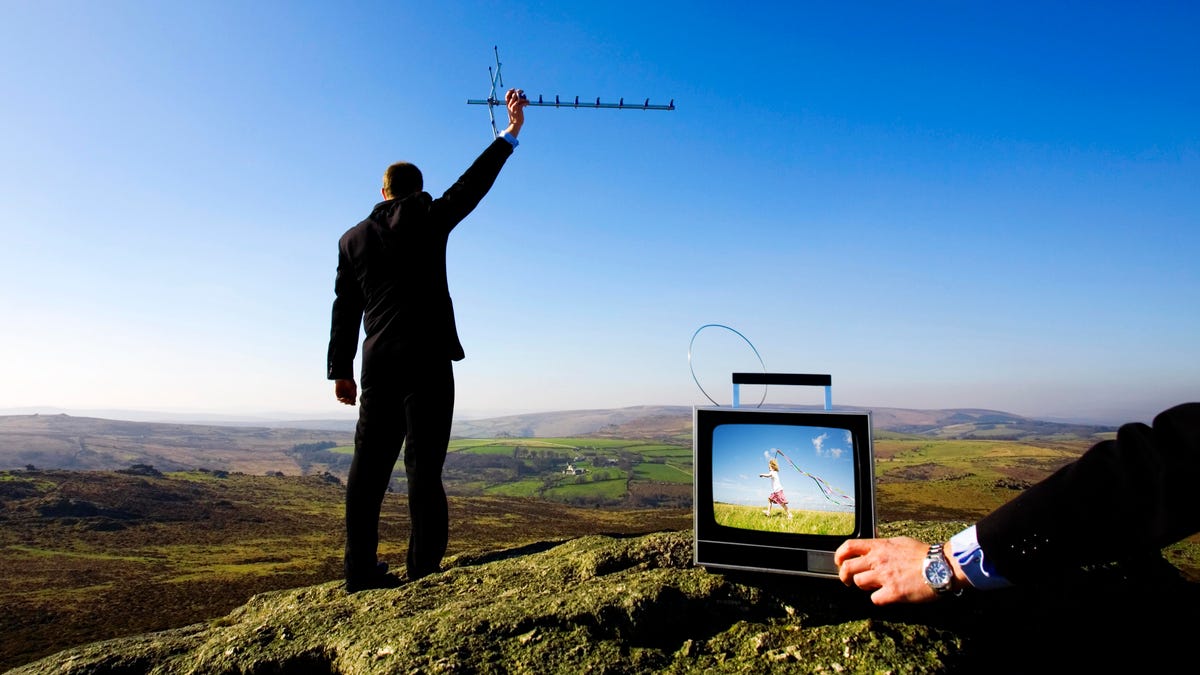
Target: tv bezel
725,547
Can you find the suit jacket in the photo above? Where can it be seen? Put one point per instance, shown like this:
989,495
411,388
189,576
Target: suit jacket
391,277
1122,499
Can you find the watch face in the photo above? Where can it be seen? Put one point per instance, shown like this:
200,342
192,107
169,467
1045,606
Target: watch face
937,573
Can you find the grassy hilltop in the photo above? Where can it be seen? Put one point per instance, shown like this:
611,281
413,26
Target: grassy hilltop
97,554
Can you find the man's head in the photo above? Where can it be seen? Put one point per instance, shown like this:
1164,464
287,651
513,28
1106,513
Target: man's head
401,180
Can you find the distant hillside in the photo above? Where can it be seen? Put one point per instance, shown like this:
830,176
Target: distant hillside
967,423
663,422
87,443
636,422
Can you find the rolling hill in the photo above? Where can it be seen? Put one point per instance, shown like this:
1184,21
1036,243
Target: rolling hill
62,441
662,422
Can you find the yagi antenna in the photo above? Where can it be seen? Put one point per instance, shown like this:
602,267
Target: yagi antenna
497,81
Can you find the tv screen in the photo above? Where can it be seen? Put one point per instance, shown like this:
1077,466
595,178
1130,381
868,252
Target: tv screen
778,490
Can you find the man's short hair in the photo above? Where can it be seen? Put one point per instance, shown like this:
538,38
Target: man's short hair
401,180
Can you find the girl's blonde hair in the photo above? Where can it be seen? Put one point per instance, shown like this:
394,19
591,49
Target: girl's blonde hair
773,464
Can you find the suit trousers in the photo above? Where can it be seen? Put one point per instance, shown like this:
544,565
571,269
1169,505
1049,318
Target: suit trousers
413,410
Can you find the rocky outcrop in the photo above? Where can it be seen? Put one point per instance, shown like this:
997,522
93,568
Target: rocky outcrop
612,605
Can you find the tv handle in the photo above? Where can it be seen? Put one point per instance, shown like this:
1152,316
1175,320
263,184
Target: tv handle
792,379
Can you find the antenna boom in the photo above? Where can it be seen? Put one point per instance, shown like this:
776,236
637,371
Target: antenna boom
494,100
589,104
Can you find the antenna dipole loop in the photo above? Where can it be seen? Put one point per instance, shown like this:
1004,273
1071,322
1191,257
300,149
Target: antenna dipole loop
692,367
492,100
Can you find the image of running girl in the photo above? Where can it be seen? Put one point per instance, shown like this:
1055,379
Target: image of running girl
776,496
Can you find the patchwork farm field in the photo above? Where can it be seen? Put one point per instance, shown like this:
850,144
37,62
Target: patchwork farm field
580,471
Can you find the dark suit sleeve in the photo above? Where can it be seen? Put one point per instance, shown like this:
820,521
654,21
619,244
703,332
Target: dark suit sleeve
466,193
347,317
1123,498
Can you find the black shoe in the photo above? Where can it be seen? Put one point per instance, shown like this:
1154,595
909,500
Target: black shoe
373,582
377,578
415,573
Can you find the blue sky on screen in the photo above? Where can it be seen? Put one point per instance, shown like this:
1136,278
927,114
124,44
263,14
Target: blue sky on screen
941,204
741,452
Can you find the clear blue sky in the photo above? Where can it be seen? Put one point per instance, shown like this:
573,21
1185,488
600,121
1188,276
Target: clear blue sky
942,204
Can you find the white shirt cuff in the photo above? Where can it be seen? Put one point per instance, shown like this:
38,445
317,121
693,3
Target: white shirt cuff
965,548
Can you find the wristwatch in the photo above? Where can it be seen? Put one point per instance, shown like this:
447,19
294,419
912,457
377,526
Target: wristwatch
937,571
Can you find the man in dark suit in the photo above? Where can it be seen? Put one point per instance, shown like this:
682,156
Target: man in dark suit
391,278
1121,500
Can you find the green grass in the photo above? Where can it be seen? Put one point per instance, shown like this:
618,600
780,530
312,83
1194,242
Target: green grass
565,444
801,522
665,473
597,473
34,483
602,479
670,451
528,487
965,453
605,489
924,460
42,552
1185,554
502,450
218,570
203,477
938,499
595,443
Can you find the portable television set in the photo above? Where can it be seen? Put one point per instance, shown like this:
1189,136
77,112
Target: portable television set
779,489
